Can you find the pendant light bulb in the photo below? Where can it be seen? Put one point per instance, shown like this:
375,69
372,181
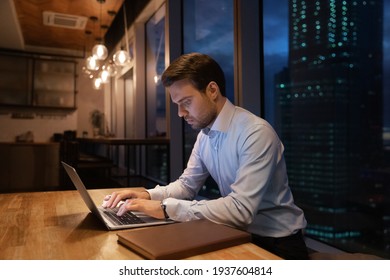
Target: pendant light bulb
104,76
111,68
97,83
100,52
92,63
121,58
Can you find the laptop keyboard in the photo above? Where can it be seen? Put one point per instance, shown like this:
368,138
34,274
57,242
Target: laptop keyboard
126,219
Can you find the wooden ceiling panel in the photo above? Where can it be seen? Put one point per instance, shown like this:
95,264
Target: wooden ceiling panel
35,33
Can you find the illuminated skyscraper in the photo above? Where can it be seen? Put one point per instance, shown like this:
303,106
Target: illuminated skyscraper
330,101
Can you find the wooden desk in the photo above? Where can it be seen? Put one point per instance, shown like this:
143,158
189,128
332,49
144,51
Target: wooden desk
57,225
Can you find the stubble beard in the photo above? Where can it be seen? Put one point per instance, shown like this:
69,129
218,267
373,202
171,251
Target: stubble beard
205,121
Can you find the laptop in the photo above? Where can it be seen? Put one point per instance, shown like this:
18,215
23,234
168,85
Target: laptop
107,215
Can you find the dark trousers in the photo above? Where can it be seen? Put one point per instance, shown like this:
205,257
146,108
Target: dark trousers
291,247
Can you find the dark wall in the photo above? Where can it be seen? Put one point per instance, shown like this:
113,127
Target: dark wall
116,30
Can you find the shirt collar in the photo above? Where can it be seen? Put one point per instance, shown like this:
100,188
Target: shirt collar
223,119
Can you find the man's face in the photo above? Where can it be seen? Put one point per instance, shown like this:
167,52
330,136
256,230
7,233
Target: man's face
198,109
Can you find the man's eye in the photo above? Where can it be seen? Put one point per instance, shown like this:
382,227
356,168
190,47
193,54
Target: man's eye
186,103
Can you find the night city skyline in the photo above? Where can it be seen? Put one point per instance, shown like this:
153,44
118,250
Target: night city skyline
327,95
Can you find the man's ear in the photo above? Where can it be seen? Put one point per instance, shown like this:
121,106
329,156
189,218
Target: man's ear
213,89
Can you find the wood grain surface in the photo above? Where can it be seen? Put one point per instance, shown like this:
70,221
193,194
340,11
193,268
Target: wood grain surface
58,226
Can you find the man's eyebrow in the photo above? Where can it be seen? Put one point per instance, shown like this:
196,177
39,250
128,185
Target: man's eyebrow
183,99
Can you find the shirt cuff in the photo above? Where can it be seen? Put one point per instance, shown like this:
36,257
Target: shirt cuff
157,193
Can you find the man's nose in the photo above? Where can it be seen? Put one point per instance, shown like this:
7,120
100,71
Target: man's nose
181,112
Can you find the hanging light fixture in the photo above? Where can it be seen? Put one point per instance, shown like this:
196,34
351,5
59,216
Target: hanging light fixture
111,68
104,75
108,70
92,63
97,83
99,51
86,68
122,57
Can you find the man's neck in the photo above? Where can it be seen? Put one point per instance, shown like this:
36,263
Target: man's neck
220,102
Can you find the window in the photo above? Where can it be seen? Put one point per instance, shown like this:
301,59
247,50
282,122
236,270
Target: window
155,66
209,28
156,155
325,93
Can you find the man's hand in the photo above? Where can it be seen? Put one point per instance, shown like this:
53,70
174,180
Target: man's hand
147,206
111,201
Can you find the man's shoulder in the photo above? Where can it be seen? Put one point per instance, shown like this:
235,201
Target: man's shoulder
247,123
245,117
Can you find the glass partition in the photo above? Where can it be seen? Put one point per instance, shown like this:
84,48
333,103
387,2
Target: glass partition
156,123
325,92
155,66
208,28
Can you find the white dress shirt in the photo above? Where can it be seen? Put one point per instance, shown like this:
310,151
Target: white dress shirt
244,155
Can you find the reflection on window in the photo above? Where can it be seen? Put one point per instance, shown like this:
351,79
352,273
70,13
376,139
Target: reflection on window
155,66
326,95
156,155
209,28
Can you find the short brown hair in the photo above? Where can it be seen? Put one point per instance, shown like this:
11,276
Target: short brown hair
199,69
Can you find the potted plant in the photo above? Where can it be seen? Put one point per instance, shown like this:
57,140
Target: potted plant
97,121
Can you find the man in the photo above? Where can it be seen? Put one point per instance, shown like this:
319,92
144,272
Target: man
239,150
